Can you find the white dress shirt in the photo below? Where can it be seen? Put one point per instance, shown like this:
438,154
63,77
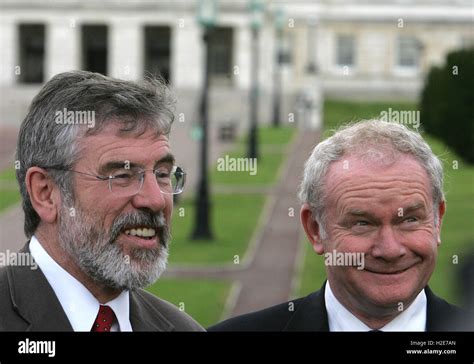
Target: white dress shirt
340,319
80,306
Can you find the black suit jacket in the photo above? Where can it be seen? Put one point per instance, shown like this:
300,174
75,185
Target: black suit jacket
28,303
309,314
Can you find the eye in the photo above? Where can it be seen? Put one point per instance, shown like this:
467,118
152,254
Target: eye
361,226
123,175
163,173
411,219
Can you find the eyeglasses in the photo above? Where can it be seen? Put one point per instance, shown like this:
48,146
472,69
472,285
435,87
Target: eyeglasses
128,182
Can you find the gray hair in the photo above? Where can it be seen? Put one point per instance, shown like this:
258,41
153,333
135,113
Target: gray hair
365,138
44,142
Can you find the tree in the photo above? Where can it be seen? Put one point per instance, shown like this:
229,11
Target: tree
447,103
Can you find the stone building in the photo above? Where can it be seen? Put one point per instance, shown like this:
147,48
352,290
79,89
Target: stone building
359,48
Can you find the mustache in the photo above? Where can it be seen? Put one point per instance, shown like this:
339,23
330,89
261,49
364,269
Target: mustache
152,220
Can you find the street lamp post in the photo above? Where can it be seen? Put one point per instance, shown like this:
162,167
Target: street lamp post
207,10
279,24
256,9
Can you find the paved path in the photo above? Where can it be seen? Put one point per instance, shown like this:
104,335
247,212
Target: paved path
266,278
8,137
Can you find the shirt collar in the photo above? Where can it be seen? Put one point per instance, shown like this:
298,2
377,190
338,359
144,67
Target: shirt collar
341,319
80,306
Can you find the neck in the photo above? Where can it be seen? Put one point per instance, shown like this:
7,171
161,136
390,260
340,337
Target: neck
101,292
375,323
371,315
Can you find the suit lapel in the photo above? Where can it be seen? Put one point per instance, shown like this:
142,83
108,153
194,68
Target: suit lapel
311,315
145,316
440,315
35,301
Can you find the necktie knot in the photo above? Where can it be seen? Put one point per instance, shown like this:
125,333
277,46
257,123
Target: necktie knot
104,320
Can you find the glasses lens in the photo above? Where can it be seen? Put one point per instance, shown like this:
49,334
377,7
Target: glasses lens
179,178
125,182
128,182
171,181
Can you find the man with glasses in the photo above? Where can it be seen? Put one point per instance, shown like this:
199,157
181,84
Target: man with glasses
97,203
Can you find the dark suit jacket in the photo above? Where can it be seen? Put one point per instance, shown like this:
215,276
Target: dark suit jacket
309,314
28,303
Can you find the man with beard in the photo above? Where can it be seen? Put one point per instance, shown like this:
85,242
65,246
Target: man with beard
97,199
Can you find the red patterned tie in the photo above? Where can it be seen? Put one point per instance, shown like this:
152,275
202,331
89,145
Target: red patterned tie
105,319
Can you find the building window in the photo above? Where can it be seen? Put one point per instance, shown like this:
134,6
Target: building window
157,52
408,52
345,55
94,48
31,53
220,55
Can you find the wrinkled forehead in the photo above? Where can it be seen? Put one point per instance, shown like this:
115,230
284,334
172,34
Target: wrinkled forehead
113,141
396,171
375,159
116,131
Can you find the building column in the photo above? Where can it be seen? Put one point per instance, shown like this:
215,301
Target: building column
242,56
62,47
187,47
8,52
125,49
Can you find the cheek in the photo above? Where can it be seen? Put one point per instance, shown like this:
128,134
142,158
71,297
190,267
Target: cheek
168,210
422,242
344,241
103,211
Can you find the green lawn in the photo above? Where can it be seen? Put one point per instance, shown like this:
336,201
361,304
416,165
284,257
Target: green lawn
337,113
272,151
9,193
457,233
266,171
234,218
204,300
313,273
273,136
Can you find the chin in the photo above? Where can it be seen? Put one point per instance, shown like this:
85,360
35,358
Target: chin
390,296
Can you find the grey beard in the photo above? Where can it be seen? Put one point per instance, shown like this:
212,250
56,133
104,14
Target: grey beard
98,255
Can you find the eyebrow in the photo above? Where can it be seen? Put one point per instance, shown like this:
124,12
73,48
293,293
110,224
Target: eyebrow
168,158
114,165
359,212
414,207
408,209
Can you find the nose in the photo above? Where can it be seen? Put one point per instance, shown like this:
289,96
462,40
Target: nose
387,246
150,195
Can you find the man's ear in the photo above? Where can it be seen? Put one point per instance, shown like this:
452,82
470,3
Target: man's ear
441,211
311,228
44,194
